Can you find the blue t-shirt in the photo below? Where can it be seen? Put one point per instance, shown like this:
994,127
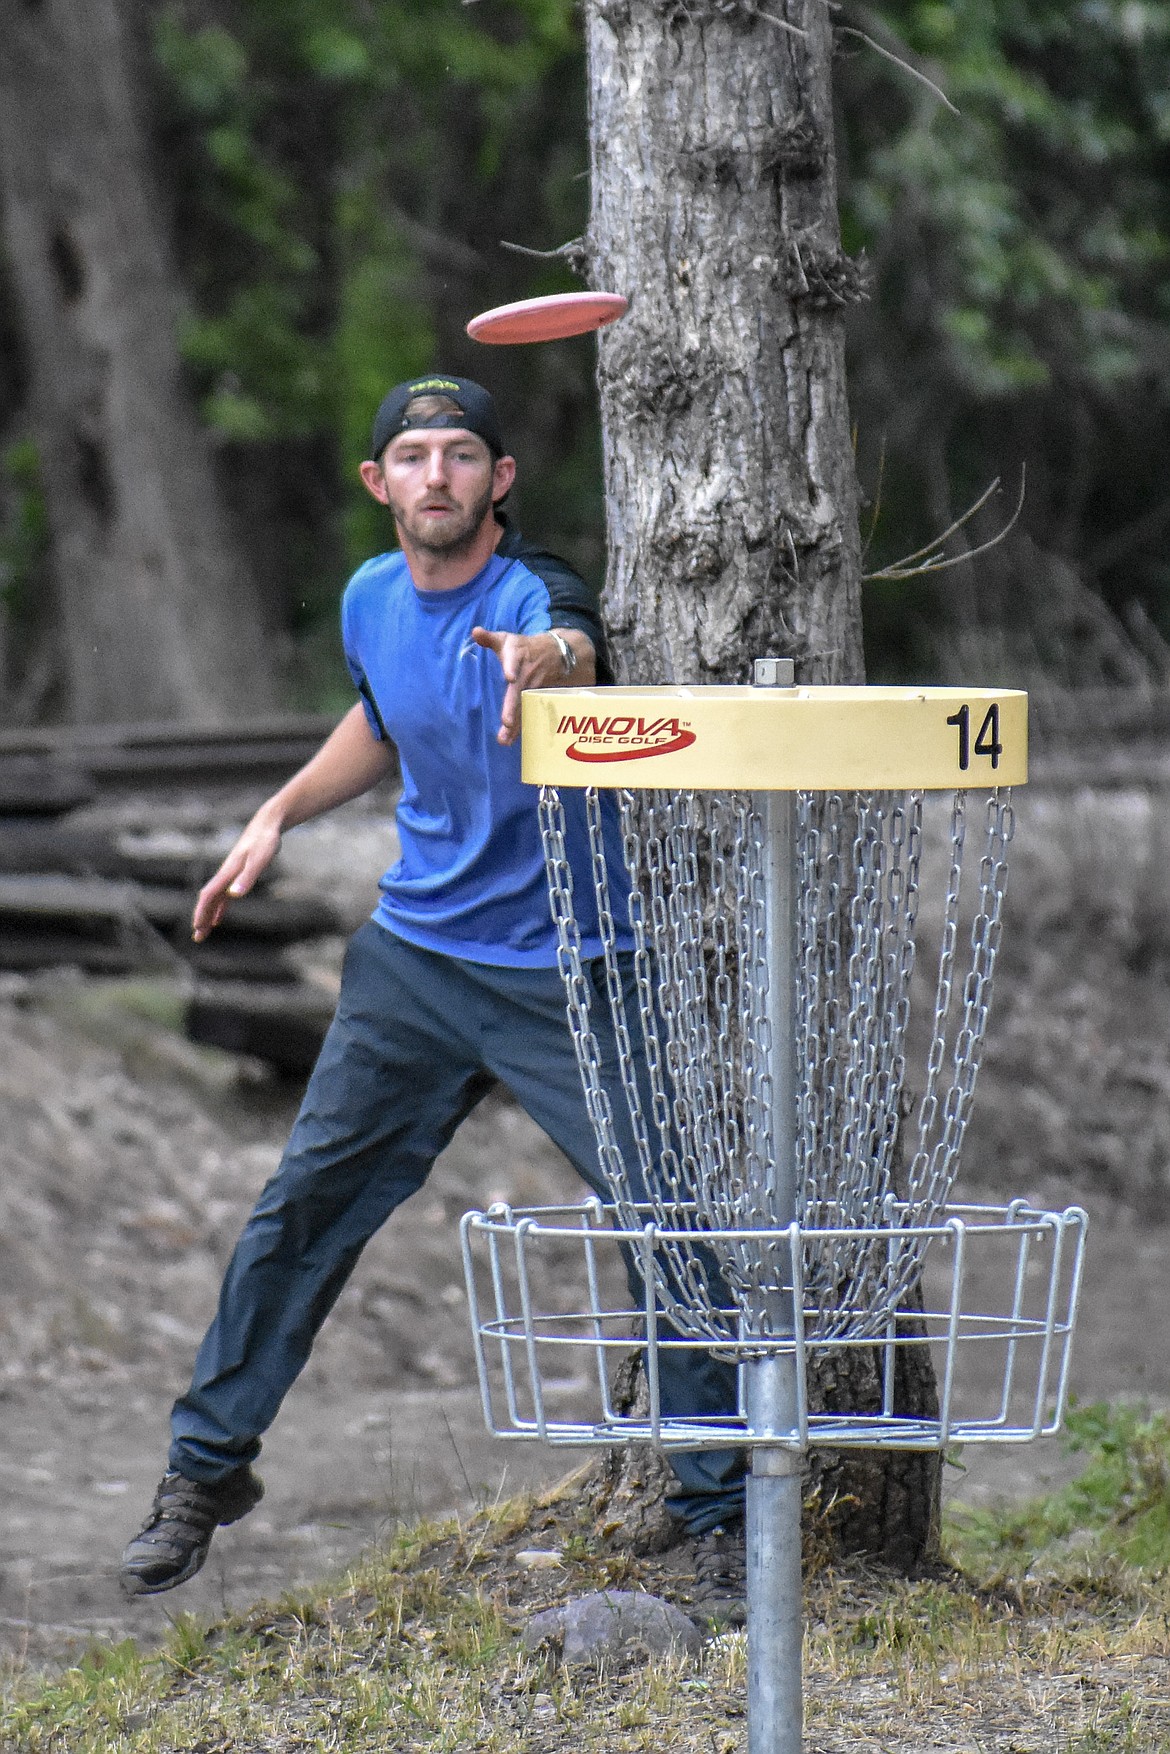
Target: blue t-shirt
471,879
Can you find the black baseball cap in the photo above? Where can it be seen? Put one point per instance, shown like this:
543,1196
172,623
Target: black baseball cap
478,412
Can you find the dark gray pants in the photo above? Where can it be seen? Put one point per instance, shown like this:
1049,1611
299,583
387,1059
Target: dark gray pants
417,1042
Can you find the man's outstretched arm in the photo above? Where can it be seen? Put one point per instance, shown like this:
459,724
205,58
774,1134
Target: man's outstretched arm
348,763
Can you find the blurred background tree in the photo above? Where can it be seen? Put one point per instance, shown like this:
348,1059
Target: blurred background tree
336,180
155,613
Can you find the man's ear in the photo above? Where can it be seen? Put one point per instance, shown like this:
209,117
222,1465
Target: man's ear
503,475
374,481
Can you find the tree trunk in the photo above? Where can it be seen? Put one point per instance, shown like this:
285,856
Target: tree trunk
157,618
730,487
731,496
883,1503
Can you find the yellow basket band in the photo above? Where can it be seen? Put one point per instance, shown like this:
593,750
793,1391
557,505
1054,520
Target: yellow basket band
775,739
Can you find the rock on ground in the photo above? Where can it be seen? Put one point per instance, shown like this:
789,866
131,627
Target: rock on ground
613,1628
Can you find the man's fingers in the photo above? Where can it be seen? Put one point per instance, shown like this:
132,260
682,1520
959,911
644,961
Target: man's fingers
510,715
524,664
510,649
254,862
232,879
206,920
209,911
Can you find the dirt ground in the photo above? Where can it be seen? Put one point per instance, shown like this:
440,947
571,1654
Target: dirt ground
128,1160
111,1259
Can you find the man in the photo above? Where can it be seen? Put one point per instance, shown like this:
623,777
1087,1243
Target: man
451,986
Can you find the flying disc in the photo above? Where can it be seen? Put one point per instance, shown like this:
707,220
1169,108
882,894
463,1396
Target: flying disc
554,318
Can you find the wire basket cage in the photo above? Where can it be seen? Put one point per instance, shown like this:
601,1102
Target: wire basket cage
997,1317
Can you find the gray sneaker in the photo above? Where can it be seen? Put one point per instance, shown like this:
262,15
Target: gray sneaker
172,1544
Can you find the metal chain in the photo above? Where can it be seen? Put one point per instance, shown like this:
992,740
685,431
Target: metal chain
689,1149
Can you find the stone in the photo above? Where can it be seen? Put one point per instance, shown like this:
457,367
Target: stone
613,1628
538,1558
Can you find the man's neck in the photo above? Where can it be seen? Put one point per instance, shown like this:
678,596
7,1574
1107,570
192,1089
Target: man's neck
446,572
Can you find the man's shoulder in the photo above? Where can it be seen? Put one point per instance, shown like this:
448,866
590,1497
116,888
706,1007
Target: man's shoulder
373,577
538,559
379,566
572,603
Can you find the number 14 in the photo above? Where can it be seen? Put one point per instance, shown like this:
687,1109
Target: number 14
986,739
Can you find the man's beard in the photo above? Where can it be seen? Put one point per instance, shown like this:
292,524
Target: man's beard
457,539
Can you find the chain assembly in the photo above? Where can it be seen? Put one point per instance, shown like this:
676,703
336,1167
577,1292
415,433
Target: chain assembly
685,1129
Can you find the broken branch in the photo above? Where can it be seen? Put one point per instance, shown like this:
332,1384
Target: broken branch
930,560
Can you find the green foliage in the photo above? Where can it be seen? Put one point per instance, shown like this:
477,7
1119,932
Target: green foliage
1018,253
1037,212
312,131
85,1707
1126,1485
384,333
281,394
26,602
341,178
419,1649
1116,1511
208,67
254,250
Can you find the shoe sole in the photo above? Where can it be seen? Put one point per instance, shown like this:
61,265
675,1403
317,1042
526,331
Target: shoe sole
132,1585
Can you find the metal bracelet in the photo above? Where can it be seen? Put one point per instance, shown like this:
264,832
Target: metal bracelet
568,655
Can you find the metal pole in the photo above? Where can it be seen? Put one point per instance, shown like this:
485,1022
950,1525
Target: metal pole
774,1628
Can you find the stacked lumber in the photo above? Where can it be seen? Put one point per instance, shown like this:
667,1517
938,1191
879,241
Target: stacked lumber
115,925
283,1025
42,785
44,763
79,888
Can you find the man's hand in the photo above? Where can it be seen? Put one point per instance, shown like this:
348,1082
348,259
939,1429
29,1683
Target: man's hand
348,763
248,859
533,660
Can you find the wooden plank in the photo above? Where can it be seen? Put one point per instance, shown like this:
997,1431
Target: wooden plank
190,762
283,1026
51,944
43,785
275,727
30,846
241,959
1115,771
114,927
105,756
67,898
24,952
95,899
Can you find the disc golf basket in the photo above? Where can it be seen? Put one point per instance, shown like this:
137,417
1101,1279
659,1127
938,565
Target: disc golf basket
739,985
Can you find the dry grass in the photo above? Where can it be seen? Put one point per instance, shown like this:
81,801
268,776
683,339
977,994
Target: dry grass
1053,1650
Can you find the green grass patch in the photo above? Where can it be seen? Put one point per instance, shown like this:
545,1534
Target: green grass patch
1115,1515
99,1005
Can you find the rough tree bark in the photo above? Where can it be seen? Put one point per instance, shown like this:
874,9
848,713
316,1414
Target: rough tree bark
158,619
730,486
731,494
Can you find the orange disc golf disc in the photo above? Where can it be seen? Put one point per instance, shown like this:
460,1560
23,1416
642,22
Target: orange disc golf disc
554,318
